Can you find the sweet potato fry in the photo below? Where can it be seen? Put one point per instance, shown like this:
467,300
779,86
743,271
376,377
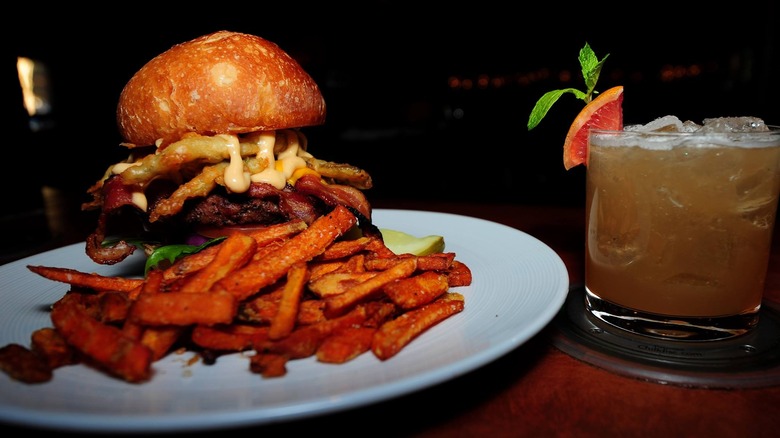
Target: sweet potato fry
268,248
304,341
378,312
353,264
301,343
356,263
154,283
302,247
338,304
118,354
344,248
50,345
113,306
269,364
160,339
132,329
265,235
24,365
192,263
85,280
133,294
234,337
234,252
345,344
263,308
417,290
377,247
431,262
179,308
318,268
459,274
287,313
435,262
338,282
394,335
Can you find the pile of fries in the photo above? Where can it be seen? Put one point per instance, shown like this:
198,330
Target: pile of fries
280,293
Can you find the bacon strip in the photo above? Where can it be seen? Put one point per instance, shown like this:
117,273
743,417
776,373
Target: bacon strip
334,194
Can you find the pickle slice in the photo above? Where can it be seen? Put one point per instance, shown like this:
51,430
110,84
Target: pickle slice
404,243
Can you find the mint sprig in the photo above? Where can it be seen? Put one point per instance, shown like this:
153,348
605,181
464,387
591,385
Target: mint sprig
591,69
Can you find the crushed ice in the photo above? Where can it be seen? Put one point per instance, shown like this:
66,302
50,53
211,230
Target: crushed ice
718,124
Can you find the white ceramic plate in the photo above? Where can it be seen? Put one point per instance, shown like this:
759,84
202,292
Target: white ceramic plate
519,284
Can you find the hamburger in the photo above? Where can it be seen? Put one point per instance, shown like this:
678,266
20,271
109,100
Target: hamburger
213,131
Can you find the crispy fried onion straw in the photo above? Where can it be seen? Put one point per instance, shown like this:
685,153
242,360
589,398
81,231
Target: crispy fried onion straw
198,163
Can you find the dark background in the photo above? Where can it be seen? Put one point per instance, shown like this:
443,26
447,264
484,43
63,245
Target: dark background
386,68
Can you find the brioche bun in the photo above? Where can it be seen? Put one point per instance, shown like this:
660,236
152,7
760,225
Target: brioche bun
221,83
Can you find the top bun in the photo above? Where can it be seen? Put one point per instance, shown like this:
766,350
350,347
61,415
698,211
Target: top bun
221,83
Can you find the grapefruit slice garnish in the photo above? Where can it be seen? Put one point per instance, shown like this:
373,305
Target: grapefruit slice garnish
603,112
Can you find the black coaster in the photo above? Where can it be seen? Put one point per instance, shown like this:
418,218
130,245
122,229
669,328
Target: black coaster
748,361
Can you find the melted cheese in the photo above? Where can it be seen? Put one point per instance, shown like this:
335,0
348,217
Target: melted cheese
280,169
236,180
139,200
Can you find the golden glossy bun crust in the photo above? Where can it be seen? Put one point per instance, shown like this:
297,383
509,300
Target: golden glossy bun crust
224,82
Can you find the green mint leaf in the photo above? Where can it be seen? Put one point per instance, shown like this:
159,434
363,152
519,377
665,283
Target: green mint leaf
591,69
170,253
546,102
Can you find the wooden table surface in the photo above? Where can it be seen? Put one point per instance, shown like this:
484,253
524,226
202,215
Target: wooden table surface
538,390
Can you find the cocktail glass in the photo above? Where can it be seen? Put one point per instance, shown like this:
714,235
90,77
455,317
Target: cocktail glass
679,226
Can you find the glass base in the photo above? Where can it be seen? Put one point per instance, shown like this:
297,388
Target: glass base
669,327
751,360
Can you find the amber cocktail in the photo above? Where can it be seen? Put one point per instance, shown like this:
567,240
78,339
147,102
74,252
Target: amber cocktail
679,227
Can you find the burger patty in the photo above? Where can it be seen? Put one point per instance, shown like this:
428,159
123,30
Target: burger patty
218,210
221,209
